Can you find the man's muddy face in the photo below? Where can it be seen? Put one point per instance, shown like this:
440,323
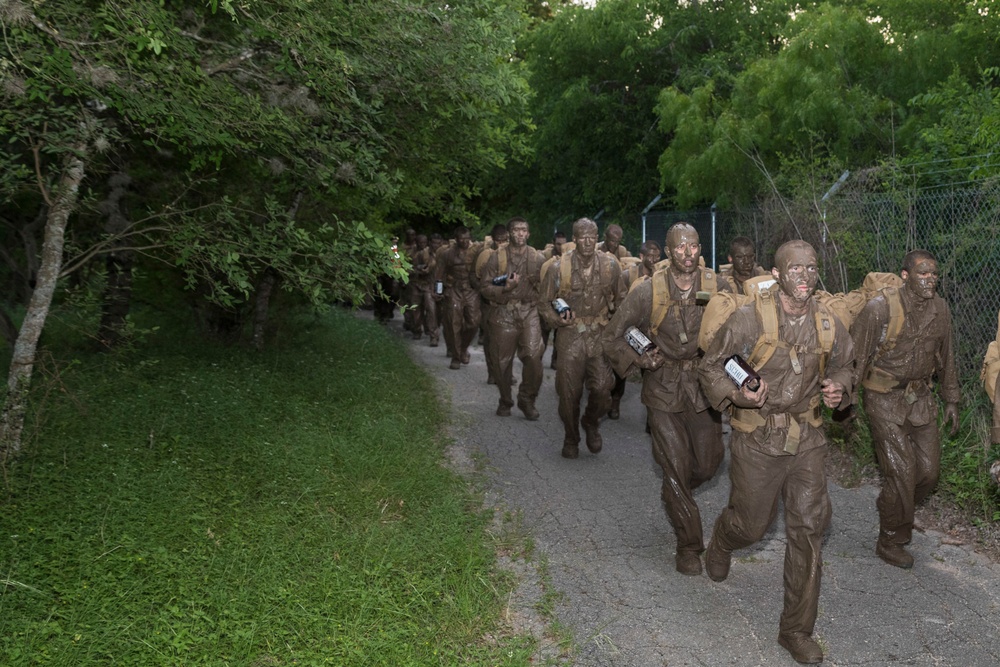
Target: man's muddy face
557,244
799,274
463,241
586,241
421,241
684,249
612,239
923,280
436,243
519,234
743,259
650,258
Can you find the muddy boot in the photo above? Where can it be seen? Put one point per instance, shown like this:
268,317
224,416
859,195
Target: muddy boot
455,364
688,563
717,561
594,441
803,648
893,554
615,411
528,408
570,449
503,410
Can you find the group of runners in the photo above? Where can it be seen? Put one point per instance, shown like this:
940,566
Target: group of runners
776,354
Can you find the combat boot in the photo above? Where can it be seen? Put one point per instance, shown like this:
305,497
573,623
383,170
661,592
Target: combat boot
528,408
893,554
803,648
615,411
717,561
687,562
594,441
570,450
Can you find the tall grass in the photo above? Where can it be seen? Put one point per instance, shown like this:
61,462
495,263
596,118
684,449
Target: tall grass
210,506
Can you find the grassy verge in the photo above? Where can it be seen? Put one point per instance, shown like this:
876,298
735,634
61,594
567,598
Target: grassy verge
210,506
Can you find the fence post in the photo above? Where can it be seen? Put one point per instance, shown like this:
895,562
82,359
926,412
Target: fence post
650,205
713,237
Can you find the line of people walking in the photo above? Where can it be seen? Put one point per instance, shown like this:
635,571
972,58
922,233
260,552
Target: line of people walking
777,355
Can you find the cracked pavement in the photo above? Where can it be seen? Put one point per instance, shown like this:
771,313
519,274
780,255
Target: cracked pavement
600,524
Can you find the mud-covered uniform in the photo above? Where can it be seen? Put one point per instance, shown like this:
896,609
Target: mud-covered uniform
425,308
686,434
461,301
726,271
513,324
477,255
593,297
767,464
900,403
620,253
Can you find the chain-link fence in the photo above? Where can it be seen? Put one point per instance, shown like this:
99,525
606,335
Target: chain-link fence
858,231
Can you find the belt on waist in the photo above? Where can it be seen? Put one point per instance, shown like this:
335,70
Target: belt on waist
682,364
748,421
882,382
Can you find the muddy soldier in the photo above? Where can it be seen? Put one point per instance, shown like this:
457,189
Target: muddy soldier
612,243
777,448
649,255
551,250
686,434
478,254
513,321
461,302
590,283
991,383
742,264
407,292
898,397
425,317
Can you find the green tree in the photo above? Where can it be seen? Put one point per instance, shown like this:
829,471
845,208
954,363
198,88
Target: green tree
834,94
256,137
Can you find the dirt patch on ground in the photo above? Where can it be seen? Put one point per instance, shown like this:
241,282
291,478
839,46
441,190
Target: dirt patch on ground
935,513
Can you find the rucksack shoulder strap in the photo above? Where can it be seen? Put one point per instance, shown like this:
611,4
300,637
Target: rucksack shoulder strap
895,317
565,274
661,299
767,343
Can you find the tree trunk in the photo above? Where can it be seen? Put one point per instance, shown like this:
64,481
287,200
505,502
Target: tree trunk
261,307
117,299
26,345
265,288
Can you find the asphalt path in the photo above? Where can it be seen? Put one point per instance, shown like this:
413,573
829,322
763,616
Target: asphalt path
599,524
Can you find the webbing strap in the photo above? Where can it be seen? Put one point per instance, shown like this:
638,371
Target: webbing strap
768,341
662,303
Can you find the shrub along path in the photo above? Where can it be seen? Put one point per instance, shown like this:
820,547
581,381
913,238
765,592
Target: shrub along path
598,524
